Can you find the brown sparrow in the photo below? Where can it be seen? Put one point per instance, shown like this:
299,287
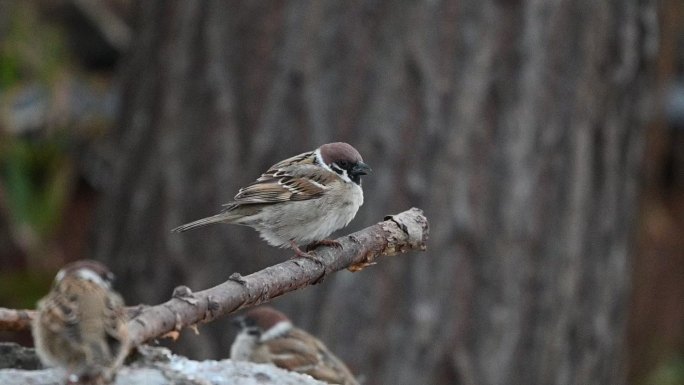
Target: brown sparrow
81,323
267,336
300,200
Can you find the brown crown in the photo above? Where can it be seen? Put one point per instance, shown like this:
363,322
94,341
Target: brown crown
339,151
265,317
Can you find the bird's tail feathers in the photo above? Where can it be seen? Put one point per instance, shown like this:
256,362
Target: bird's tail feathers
221,217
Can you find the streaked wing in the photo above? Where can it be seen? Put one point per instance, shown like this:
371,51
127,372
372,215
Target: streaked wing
293,354
286,188
115,316
300,352
294,179
304,159
60,314
333,369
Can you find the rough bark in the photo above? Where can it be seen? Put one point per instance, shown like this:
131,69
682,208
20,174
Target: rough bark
516,125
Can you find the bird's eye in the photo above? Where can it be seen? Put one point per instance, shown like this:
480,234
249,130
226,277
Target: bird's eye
343,163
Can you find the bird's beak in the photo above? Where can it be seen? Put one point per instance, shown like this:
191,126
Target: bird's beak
361,168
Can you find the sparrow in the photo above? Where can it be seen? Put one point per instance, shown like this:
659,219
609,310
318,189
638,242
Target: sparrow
268,336
300,200
80,325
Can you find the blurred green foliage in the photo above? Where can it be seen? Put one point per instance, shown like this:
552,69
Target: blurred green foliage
9,69
22,289
35,169
31,49
37,178
668,373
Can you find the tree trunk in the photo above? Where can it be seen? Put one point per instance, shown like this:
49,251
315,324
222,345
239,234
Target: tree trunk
516,126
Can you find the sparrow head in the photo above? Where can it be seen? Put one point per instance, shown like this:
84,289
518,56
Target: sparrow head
344,160
87,270
264,321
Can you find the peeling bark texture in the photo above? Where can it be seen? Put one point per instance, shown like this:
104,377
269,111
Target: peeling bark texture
516,126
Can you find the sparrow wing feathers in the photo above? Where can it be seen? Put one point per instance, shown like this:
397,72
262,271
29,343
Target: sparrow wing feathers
294,179
285,188
60,315
306,158
332,368
299,351
115,324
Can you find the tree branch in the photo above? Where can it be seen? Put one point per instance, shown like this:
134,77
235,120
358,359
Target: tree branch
15,320
397,234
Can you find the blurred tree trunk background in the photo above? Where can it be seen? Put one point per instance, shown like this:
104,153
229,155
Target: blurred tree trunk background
516,126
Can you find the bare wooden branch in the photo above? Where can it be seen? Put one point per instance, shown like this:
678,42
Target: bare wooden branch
396,234
15,320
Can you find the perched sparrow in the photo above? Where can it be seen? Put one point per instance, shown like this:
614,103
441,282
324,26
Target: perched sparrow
267,336
81,323
300,200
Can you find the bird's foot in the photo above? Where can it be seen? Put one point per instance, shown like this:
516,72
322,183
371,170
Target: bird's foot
323,242
298,252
